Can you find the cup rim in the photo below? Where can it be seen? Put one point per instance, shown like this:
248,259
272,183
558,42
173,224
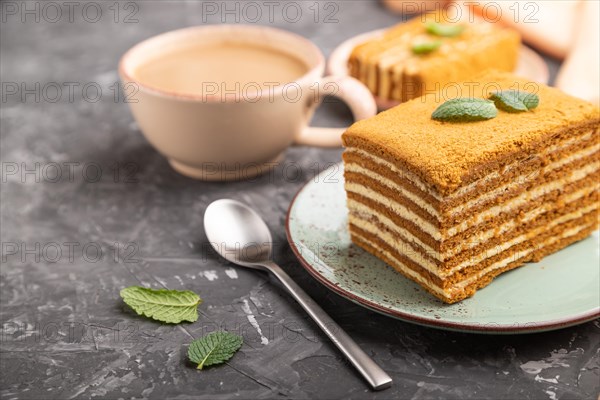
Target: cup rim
314,72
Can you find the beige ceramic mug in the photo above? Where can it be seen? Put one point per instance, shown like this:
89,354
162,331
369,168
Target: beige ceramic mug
226,138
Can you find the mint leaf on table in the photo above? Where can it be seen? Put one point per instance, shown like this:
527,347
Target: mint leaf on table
170,306
214,348
515,101
426,47
444,30
465,110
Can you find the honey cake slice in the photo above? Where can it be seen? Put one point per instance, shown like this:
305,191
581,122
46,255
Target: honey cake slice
453,205
392,70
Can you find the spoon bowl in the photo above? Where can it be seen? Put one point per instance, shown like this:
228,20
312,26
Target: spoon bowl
238,233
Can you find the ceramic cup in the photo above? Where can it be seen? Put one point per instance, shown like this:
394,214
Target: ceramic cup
228,138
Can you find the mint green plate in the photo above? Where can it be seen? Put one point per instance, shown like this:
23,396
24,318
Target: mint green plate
562,290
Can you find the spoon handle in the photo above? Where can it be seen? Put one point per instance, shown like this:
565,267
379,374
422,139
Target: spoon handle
376,376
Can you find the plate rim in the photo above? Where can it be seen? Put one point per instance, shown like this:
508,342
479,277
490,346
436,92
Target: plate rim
429,322
337,60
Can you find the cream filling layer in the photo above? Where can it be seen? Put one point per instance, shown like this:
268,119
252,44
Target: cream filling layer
418,200
465,244
478,218
522,179
486,196
525,198
460,286
361,209
395,207
509,225
415,180
397,242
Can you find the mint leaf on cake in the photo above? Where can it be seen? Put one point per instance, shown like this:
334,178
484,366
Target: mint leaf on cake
214,348
170,306
465,110
444,30
426,47
514,100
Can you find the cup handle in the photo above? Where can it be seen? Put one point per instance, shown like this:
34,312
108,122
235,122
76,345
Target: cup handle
354,94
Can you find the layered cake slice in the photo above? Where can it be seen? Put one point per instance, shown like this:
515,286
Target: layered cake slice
451,205
424,54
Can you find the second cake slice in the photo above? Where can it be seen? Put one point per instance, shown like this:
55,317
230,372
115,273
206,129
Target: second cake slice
430,52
